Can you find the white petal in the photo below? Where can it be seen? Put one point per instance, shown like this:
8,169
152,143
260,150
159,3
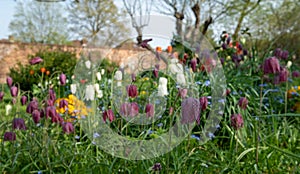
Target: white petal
88,64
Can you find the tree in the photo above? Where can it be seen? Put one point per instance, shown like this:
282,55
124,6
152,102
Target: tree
39,22
139,12
99,21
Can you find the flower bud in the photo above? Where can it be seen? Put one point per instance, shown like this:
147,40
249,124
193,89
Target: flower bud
35,60
149,110
203,103
237,121
182,92
9,81
194,64
1,95
243,103
108,114
13,91
23,100
295,74
36,116
62,79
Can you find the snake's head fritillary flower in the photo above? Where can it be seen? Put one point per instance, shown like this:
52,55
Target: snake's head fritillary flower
18,123
132,91
108,114
1,95
9,81
284,55
243,103
155,72
35,60
68,128
52,95
57,118
36,116
149,110
118,75
62,79
129,109
271,66
32,105
190,110
23,100
98,75
14,91
277,52
63,103
295,74
237,121
283,75
194,64
157,167
9,136
182,92
203,103
50,111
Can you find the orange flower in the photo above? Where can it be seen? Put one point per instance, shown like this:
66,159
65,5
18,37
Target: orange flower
47,72
158,49
31,72
43,69
169,49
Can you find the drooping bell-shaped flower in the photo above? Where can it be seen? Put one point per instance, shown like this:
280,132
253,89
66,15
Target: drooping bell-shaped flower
118,75
8,109
108,114
36,116
284,55
162,87
194,64
190,111
9,81
52,95
50,111
33,105
73,88
35,60
62,79
132,91
243,103
23,100
133,77
180,79
295,74
98,75
182,92
149,110
19,124
277,53
68,128
203,103
129,109
156,167
14,91
9,136
1,95
57,119
283,75
63,103
89,92
271,66
237,121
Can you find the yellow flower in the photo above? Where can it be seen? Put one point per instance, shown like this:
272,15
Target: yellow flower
76,108
143,92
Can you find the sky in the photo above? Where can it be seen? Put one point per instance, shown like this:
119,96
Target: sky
160,28
6,15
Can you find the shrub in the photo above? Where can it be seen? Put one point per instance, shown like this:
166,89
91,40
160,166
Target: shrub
54,62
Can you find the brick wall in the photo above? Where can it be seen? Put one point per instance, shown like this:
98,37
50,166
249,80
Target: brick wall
14,52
